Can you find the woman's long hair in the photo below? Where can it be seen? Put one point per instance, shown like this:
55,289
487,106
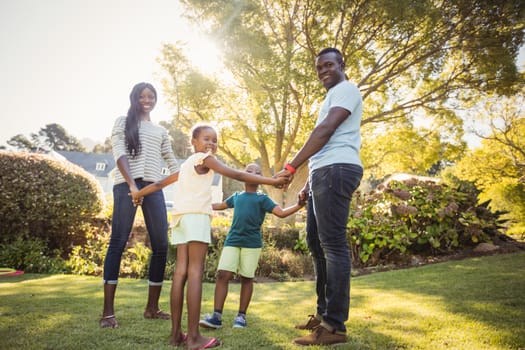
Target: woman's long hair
133,119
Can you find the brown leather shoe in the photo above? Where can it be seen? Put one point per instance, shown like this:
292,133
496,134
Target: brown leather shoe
312,323
321,336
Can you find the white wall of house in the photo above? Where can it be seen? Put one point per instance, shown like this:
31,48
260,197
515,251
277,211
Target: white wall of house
106,183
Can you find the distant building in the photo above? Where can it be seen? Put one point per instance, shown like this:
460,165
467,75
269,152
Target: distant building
103,167
98,165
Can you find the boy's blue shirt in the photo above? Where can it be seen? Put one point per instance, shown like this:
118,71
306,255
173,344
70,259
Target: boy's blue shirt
250,209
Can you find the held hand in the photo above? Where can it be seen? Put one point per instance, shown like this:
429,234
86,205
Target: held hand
137,200
302,197
286,174
280,181
304,193
306,189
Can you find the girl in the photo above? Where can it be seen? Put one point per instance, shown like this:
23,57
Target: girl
192,229
139,146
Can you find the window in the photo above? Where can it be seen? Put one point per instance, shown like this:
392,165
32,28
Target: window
100,166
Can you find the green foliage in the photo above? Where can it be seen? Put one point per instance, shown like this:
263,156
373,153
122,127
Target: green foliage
301,245
497,167
21,143
404,218
135,261
47,199
88,259
31,256
412,60
282,264
54,136
105,147
222,220
212,261
393,151
180,140
416,216
51,137
281,237
278,259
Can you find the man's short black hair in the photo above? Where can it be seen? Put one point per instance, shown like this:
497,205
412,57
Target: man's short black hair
334,50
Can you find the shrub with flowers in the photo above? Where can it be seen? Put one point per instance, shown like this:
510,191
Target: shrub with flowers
413,216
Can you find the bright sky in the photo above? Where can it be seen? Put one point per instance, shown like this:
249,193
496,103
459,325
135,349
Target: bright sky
74,62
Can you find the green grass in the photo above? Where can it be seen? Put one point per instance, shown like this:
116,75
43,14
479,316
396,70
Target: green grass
477,303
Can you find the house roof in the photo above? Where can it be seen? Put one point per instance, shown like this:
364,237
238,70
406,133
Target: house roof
89,161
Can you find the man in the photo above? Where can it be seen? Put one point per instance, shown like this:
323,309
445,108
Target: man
335,171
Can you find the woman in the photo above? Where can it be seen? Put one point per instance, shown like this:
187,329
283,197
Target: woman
139,146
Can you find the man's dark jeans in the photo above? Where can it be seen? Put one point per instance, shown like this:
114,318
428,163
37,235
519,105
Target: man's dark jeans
155,217
331,189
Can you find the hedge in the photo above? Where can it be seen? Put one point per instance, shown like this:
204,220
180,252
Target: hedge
47,199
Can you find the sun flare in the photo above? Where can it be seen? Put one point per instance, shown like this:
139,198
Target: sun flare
204,55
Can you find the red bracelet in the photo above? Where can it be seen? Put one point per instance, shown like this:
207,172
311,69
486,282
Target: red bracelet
290,168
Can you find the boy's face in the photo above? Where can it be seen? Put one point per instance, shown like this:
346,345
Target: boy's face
253,169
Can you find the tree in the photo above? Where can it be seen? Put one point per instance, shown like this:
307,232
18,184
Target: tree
407,149
180,140
104,147
410,59
20,142
507,123
497,168
51,137
55,137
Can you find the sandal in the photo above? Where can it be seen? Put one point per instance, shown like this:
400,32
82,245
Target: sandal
108,322
213,343
158,314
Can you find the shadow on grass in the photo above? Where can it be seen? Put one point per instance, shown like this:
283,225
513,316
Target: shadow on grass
487,291
273,312
19,278
393,310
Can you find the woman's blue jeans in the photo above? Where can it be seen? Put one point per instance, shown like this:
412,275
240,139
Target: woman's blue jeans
331,189
155,217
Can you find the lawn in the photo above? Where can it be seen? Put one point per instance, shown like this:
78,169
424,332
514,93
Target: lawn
478,303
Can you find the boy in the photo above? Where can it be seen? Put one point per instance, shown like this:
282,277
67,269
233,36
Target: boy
242,246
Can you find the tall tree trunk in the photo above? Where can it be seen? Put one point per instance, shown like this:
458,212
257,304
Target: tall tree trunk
288,198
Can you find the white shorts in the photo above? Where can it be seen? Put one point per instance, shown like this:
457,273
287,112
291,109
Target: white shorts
191,227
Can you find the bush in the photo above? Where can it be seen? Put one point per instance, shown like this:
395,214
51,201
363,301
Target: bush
418,217
283,264
31,256
88,258
46,199
281,237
